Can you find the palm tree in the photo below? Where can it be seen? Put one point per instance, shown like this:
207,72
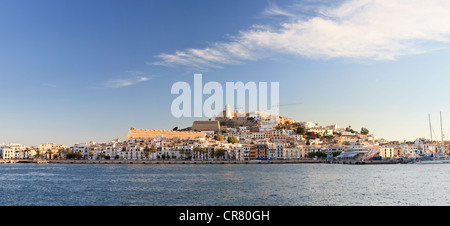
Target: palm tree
38,154
212,153
78,155
146,151
49,154
67,152
203,151
153,149
183,152
27,150
197,151
60,151
220,152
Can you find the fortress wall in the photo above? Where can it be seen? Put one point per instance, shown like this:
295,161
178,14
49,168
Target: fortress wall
141,133
206,126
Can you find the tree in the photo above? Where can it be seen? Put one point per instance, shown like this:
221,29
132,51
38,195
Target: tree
336,153
69,154
203,151
153,149
218,137
349,129
49,153
27,150
183,153
318,154
301,130
38,154
78,155
364,131
196,152
60,151
232,140
220,152
189,155
175,128
146,151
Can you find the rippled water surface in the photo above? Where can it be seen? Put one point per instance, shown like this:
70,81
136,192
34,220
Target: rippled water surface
243,185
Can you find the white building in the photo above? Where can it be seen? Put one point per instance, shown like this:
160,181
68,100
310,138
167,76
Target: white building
6,152
209,133
281,132
279,153
259,135
265,128
83,148
50,146
228,112
243,129
321,131
293,153
409,150
12,151
242,153
419,143
308,125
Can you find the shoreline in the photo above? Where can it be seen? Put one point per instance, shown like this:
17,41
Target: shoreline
184,161
141,162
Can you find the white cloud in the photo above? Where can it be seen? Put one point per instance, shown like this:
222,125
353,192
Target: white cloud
360,29
274,10
50,85
136,77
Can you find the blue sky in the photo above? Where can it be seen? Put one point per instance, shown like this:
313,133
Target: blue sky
76,71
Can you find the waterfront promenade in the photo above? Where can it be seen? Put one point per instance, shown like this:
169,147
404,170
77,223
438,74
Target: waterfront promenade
87,161
183,161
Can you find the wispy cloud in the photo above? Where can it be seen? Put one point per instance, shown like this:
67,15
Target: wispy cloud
133,78
358,29
50,85
275,10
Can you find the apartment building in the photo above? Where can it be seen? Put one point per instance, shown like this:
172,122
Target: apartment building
12,151
390,152
259,152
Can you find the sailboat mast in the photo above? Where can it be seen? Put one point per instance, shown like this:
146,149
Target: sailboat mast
442,135
431,134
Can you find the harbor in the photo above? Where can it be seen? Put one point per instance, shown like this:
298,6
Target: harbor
350,162
87,161
245,141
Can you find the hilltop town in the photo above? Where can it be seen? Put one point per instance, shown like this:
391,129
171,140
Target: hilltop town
236,136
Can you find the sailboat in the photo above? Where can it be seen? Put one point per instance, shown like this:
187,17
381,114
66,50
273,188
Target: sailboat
436,159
